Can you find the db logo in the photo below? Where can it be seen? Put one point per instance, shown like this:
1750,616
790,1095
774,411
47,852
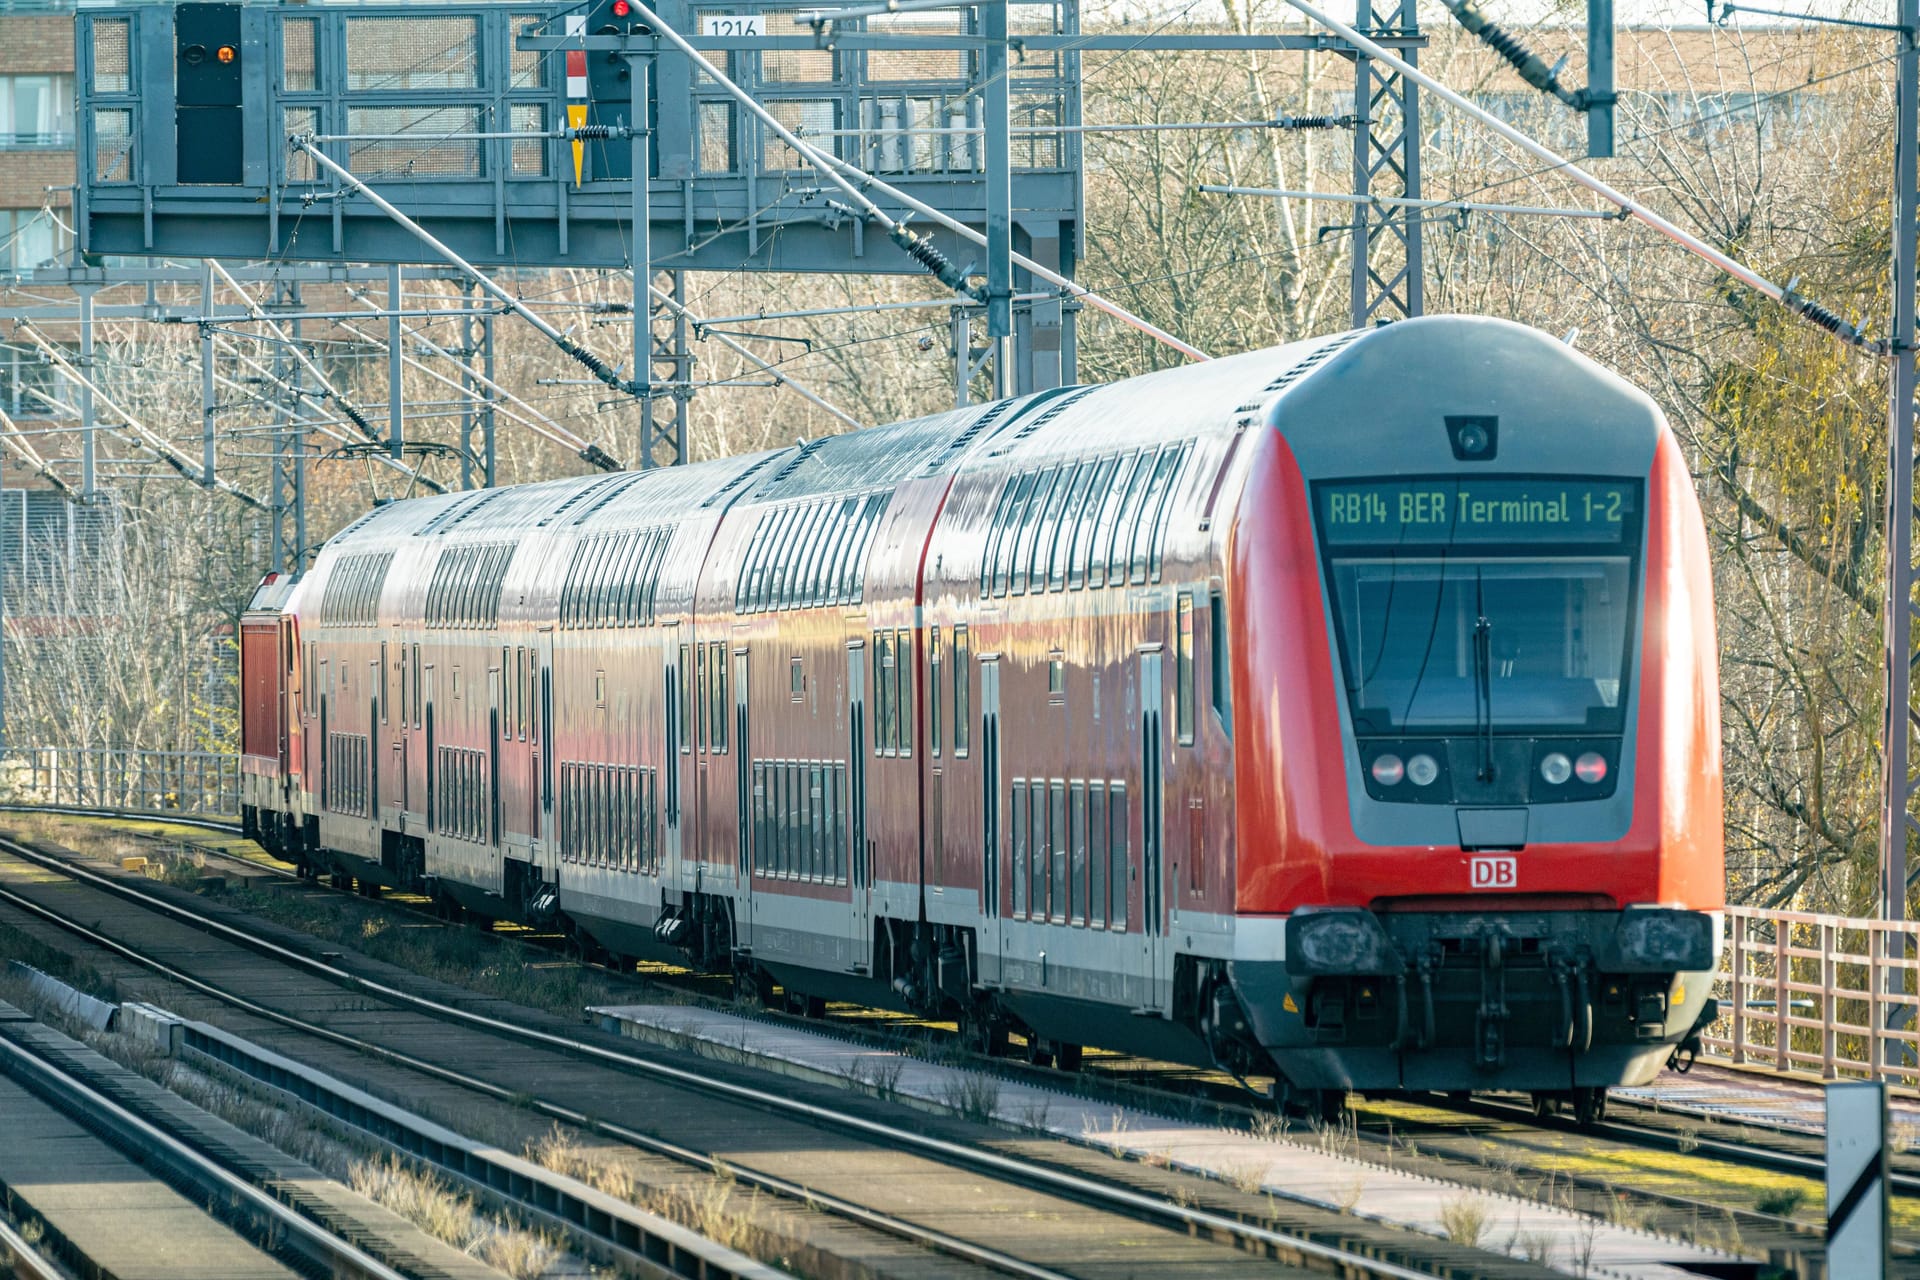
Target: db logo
1495,873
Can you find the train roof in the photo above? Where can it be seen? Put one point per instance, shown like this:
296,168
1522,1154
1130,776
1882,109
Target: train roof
1183,402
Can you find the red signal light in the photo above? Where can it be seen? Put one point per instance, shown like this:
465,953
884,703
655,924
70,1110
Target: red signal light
621,8
226,52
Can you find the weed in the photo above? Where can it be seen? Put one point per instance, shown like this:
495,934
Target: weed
1537,1246
1270,1126
1037,1115
33,1231
1688,1140
1464,1219
1781,1202
1350,1193
1583,1247
879,1074
1250,1176
973,1095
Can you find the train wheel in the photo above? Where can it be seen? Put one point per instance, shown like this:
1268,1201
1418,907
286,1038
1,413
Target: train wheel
1589,1106
983,1033
335,880
1039,1052
1545,1106
1066,1056
1332,1106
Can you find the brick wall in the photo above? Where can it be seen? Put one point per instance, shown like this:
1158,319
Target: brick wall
24,175
36,43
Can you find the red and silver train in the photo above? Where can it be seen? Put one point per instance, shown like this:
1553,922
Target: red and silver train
1344,711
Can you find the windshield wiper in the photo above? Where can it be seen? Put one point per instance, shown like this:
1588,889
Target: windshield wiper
1483,678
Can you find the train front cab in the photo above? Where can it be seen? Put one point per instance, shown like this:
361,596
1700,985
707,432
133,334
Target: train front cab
1474,561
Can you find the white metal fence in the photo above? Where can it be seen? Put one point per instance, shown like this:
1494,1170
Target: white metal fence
1830,995
199,782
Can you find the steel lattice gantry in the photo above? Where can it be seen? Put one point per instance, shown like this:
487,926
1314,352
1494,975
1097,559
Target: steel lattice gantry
412,86
1387,261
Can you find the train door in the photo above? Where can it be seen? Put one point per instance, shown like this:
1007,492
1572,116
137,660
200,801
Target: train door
496,707
1152,920
990,823
326,779
673,722
540,786
743,799
289,702
428,762
859,851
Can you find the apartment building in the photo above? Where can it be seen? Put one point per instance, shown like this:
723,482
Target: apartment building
36,131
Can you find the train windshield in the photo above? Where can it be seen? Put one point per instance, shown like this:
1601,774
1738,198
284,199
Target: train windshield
1465,606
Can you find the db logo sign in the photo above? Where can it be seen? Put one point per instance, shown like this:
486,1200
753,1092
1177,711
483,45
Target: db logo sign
1495,873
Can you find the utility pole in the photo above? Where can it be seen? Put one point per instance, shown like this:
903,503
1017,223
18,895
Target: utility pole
1897,736
1386,153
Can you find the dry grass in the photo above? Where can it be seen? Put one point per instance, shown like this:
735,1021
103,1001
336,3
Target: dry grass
973,1095
1464,1219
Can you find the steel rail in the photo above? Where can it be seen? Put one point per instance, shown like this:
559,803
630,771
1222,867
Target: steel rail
157,1150
770,1183
26,1264
1625,1131
1294,1249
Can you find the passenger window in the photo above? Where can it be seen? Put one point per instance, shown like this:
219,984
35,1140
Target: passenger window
1221,673
416,686
1085,522
1183,671
882,692
1117,855
840,836
719,665
796,679
1037,811
1077,842
700,696
686,701
1114,544
1019,847
962,687
936,688
1057,817
1097,853
1058,538
1150,514
1030,522
903,691
997,530
383,682
1009,540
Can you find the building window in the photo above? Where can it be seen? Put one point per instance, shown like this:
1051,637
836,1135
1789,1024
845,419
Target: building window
31,238
36,111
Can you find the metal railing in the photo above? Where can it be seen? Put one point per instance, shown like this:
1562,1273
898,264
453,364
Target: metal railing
200,782
1830,995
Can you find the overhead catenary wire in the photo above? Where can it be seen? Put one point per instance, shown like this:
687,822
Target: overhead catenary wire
1403,202
1810,310
800,389
347,407
19,446
855,182
590,453
141,433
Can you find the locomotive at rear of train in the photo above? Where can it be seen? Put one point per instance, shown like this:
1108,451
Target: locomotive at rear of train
1343,711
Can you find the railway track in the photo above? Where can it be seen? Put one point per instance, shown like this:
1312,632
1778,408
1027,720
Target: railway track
1235,1241
232,1202
1752,1146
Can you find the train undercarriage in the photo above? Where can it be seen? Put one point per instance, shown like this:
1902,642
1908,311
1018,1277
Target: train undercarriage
1556,1004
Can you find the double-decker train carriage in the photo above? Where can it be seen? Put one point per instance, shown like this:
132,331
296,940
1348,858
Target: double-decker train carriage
1344,711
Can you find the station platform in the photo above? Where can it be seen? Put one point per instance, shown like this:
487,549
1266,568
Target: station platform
99,1205
1301,1167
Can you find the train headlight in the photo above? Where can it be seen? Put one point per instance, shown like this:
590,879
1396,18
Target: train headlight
1591,768
1388,770
1555,769
1422,770
1338,940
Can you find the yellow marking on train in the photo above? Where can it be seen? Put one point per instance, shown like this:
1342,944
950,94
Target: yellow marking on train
1288,1004
577,118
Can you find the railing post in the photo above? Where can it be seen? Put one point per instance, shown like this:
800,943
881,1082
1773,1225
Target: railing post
1737,983
1829,975
1876,1011
1782,998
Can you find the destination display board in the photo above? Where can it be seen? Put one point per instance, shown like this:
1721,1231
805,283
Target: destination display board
1455,509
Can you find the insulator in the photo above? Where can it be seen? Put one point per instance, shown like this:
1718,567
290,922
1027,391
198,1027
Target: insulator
591,133
1824,318
598,457
359,420
924,252
1313,122
600,368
